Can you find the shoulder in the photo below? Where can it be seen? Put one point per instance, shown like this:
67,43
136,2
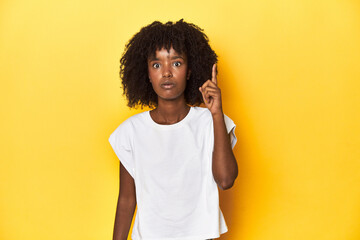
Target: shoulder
202,112
128,125
201,118
205,113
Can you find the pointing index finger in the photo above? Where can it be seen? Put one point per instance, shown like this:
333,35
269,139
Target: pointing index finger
214,70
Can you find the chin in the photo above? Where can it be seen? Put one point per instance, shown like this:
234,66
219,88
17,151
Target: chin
171,98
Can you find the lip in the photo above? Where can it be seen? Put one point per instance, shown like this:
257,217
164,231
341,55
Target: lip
167,85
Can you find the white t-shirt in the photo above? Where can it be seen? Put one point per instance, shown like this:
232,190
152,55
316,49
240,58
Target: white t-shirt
177,196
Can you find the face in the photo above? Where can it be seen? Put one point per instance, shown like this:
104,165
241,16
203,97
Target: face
168,73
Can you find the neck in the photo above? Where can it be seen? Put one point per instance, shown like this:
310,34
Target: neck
170,112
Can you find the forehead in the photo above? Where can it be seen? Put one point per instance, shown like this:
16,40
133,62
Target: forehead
164,53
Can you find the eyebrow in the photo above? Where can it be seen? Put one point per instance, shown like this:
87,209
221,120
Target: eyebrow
153,58
176,57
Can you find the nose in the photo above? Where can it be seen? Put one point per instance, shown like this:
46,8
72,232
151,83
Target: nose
167,72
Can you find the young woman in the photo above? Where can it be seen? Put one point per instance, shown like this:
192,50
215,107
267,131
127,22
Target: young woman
173,157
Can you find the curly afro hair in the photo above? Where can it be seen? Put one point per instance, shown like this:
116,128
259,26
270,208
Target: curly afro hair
185,38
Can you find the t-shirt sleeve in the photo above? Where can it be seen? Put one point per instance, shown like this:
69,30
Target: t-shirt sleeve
230,126
121,143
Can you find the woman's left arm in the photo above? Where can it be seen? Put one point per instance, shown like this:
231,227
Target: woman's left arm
224,165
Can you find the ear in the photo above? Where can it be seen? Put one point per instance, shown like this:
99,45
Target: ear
188,74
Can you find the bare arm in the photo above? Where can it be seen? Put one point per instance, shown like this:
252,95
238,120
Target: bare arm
224,166
125,206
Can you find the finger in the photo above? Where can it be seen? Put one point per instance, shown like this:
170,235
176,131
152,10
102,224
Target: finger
208,94
211,92
214,70
208,86
209,98
211,85
203,94
208,83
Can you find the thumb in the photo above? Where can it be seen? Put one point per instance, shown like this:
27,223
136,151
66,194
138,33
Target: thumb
200,88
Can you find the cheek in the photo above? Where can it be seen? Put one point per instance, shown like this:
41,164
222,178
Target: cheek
183,75
152,74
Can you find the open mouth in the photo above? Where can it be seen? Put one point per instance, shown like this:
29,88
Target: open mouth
167,85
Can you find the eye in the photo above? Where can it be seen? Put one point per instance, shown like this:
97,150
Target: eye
156,65
177,64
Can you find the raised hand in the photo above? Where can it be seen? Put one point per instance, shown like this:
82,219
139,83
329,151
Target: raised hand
211,93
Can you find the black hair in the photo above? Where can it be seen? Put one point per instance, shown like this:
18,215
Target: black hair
184,38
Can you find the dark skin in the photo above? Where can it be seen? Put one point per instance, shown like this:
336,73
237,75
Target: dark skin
125,206
168,73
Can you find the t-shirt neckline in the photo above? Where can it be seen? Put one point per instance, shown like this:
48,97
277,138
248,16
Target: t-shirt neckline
170,126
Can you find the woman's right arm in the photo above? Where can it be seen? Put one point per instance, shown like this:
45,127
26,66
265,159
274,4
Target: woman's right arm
125,206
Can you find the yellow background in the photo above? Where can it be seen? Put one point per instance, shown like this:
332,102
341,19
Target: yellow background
289,73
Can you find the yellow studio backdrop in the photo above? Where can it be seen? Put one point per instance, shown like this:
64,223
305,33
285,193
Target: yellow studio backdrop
289,73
